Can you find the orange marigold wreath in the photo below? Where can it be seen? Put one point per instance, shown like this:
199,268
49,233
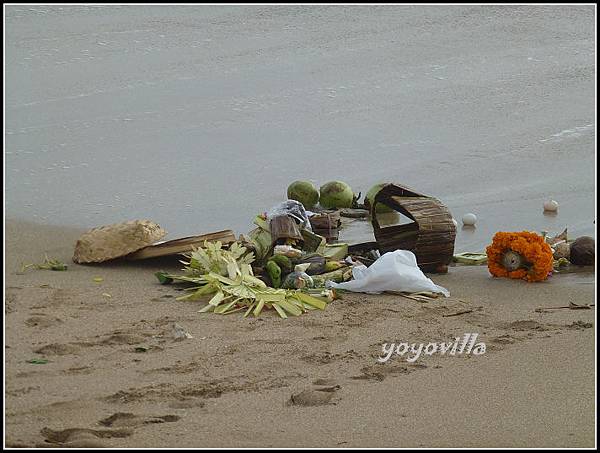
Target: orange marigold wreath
532,248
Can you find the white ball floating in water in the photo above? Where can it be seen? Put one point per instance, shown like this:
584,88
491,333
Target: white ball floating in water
469,219
551,206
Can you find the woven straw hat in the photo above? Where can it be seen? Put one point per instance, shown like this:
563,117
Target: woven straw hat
113,241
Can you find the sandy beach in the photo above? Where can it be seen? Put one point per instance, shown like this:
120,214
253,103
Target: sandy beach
308,381
198,118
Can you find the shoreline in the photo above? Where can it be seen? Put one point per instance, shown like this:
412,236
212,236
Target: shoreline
316,374
494,129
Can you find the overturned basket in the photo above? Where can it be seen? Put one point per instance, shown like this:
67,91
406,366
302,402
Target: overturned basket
430,236
114,241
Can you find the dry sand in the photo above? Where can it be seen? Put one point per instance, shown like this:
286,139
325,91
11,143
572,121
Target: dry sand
231,384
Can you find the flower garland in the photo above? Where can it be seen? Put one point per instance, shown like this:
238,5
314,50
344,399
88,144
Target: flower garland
532,247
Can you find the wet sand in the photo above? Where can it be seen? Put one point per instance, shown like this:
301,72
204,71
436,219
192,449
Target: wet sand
232,383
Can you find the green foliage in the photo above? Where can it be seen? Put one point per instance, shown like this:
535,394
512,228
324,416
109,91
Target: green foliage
38,361
48,264
214,258
226,276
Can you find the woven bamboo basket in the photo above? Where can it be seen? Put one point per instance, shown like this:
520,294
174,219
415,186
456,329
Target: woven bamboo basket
430,236
114,241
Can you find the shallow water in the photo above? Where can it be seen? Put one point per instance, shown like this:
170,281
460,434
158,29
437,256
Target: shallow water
198,117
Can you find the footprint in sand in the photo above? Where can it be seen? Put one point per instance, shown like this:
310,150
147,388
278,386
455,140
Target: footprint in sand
320,358
129,420
10,300
189,403
315,397
579,325
504,339
57,298
380,371
42,320
527,325
325,382
118,338
324,358
57,349
78,370
82,437
22,391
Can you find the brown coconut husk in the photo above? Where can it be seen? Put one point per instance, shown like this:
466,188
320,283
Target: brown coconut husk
583,251
114,241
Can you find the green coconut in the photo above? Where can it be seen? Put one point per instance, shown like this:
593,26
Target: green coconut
336,194
305,192
381,208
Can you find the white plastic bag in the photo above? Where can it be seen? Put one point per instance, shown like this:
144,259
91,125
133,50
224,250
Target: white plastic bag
394,271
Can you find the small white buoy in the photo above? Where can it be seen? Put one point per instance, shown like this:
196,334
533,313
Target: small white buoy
469,219
551,206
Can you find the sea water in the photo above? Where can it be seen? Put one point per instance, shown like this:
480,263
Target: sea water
198,117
